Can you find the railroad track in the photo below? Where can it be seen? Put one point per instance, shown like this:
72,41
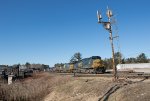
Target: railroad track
124,75
110,74
92,75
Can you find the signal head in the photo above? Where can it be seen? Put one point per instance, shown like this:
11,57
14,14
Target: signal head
99,16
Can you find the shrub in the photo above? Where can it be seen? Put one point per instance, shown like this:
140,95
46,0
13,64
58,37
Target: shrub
31,89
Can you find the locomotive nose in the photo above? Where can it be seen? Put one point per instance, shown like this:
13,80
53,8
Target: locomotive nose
96,63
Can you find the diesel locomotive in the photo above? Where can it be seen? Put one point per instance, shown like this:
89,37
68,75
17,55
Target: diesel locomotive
93,64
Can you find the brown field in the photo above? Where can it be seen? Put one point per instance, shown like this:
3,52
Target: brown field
94,88
29,89
54,87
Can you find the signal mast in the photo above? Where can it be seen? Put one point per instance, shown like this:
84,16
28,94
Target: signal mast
108,26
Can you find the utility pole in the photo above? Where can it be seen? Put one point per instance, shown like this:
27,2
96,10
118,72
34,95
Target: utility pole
107,25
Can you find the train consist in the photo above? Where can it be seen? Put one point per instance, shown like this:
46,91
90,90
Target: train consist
93,64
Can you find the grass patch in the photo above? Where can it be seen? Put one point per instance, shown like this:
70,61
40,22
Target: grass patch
30,89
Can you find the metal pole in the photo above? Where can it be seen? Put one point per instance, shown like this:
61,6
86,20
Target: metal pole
113,54
113,58
108,27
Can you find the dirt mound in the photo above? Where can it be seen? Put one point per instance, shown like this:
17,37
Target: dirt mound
80,89
70,88
134,92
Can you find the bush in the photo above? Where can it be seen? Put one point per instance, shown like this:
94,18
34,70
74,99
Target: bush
33,89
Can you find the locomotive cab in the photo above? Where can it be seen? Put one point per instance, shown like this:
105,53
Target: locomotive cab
97,64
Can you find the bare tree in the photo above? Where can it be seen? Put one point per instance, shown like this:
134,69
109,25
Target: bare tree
76,57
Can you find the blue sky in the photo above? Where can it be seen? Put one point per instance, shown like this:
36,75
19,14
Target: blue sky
51,31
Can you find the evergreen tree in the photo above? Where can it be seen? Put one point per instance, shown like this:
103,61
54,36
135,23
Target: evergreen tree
142,58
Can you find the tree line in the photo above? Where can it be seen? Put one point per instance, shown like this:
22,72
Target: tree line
29,65
119,59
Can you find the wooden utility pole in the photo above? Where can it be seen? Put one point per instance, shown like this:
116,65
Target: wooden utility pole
107,26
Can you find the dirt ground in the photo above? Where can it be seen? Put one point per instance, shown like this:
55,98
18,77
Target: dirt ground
134,92
93,88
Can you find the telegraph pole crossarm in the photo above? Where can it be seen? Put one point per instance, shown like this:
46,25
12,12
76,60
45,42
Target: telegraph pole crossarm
107,25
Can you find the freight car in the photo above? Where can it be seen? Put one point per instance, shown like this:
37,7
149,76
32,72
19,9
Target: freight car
137,67
18,71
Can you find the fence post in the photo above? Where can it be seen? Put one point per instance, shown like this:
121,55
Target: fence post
10,79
